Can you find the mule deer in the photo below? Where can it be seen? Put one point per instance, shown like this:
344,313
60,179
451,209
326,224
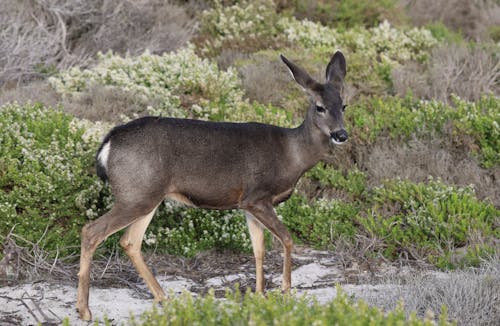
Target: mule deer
216,165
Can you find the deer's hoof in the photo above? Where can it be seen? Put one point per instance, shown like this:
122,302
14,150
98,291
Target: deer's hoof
162,300
84,313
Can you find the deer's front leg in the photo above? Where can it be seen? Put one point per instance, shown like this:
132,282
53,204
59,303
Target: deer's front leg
265,214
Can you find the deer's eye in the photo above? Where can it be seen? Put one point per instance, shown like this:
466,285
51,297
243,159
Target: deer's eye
320,109
343,107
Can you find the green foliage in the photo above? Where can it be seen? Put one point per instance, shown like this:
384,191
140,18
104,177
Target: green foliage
352,182
382,42
247,25
481,121
186,231
350,13
347,13
446,226
429,221
183,83
320,222
371,53
274,309
46,183
443,33
403,118
494,32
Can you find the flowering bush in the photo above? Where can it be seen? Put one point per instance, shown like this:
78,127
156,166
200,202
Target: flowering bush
48,186
184,84
250,25
391,44
260,20
46,181
185,231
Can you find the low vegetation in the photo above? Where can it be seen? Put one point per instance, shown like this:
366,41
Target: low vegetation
48,189
415,87
275,309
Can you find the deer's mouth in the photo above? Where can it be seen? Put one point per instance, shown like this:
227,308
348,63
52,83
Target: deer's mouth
338,137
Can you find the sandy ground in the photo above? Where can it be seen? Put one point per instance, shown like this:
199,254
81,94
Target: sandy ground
48,302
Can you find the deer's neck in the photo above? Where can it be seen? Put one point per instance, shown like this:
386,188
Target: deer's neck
308,145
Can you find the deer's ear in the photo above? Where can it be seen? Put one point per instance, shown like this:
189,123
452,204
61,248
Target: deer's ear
300,76
336,70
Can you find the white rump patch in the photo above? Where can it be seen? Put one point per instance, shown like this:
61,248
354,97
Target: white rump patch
104,154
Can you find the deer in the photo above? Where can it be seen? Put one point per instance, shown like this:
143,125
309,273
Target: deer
213,165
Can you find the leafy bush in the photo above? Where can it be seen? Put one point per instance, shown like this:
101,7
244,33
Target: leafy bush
429,221
176,80
372,54
247,25
275,309
319,223
46,183
353,181
443,225
383,41
181,83
402,118
187,231
347,14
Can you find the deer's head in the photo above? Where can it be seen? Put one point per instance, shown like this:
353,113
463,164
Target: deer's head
327,109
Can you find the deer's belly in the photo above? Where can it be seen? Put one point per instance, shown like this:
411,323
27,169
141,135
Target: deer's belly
210,200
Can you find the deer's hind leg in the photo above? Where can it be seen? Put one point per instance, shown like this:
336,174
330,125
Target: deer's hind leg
93,234
256,230
131,241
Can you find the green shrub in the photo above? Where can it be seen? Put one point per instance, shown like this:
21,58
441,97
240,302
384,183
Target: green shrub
481,121
371,54
382,42
185,85
347,13
443,33
46,178
319,222
186,231
353,182
443,225
404,118
247,25
429,221
275,309
182,82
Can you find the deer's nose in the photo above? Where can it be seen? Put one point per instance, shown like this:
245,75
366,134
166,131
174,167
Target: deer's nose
339,136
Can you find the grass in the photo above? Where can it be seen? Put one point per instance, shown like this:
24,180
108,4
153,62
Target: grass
274,309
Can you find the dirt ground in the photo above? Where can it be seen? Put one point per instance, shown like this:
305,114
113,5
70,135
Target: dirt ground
117,293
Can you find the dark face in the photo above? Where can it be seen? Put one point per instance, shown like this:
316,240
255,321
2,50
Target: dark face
329,113
327,107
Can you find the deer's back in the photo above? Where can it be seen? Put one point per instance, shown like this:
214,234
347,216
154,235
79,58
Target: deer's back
205,161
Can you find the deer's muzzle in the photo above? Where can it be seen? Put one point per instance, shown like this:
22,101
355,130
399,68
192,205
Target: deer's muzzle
339,137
